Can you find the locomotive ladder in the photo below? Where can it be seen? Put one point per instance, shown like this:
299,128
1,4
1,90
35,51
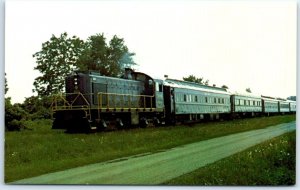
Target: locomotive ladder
59,102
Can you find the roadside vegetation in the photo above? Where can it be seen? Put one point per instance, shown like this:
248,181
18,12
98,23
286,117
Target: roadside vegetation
39,149
270,163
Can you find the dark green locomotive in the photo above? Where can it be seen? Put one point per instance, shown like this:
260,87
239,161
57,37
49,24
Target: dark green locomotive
95,102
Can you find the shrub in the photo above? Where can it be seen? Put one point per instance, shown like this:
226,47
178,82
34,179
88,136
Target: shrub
14,116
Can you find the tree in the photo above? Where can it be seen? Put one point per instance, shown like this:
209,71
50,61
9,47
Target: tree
109,59
6,86
14,116
294,98
248,90
192,78
38,107
224,86
57,59
60,56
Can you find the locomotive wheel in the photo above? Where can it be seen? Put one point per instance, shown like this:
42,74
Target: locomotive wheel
144,122
119,123
156,121
101,125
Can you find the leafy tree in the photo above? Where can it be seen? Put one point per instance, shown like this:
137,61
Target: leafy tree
55,61
248,90
14,116
38,107
60,56
6,86
224,86
192,78
109,59
294,98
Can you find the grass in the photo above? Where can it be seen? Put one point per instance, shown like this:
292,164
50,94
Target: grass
270,163
41,150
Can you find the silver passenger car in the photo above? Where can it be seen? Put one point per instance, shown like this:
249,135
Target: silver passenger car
246,103
192,98
270,105
284,106
293,105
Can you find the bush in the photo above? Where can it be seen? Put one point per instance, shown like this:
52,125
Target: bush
15,125
38,107
14,116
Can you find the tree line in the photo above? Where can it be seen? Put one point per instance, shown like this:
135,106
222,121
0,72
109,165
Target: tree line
60,56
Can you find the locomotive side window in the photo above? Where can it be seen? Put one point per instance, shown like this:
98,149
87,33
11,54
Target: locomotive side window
158,87
98,87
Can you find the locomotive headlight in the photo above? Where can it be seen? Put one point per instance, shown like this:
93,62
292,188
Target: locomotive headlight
75,81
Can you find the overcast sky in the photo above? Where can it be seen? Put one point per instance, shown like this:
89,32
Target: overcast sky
242,44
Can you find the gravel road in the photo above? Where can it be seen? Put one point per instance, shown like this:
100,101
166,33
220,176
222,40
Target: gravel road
155,168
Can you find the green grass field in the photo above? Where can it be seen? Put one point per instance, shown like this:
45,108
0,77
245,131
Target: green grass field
42,150
270,163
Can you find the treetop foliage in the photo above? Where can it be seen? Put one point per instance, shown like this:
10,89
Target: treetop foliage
224,86
108,59
60,56
5,85
248,90
57,59
192,78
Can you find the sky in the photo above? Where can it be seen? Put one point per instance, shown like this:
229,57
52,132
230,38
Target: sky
240,44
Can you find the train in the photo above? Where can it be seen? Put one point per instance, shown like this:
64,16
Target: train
93,102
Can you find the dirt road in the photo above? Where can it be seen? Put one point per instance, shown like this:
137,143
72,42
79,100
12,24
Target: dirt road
161,166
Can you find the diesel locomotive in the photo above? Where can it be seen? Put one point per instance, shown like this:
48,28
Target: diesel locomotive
95,103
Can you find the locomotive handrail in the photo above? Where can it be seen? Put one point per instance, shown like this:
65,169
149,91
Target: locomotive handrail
129,96
139,102
66,103
55,99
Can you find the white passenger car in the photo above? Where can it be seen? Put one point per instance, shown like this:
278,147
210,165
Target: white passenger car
284,106
246,103
270,105
293,106
195,100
